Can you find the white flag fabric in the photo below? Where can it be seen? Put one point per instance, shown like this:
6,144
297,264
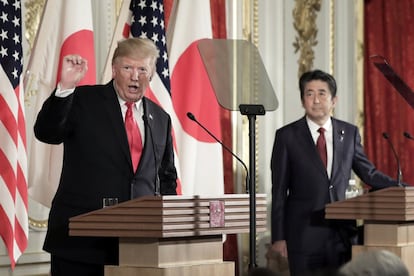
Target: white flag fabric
66,28
13,157
200,155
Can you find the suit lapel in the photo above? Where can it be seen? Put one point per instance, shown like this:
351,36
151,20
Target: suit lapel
338,146
305,139
115,119
309,147
148,127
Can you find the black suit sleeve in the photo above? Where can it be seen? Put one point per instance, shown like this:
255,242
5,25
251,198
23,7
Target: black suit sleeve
280,180
366,170
50,125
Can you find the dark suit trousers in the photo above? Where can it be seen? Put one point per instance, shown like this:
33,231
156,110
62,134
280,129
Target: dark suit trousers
334,254
64,267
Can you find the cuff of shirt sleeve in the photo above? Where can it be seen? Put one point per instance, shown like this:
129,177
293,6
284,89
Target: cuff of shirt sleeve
63,93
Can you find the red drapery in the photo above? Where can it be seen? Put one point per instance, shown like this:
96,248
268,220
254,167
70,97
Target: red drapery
389,32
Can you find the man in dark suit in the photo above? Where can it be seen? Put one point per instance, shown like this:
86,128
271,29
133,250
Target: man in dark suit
303,184
89,121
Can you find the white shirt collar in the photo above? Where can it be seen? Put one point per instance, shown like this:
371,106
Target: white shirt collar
314,127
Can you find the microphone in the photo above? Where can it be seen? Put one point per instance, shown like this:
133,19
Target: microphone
193,118
408,135
157,178
399,173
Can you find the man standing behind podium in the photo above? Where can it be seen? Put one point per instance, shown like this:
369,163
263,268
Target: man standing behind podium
97,163
304,180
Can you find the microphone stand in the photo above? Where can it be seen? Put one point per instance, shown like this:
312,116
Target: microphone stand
399,172
251,110
157,178
193,118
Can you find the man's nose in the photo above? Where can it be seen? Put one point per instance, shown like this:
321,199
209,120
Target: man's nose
135,74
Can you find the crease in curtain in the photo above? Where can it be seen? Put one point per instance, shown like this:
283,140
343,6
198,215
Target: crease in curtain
389,32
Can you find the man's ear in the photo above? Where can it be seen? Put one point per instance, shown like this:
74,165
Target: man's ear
334,101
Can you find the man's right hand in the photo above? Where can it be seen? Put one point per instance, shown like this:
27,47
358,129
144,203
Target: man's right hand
280,247
74,68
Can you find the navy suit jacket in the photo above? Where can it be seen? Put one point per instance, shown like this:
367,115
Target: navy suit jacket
301,187
97,163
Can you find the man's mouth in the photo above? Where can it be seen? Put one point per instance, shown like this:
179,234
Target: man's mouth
133,88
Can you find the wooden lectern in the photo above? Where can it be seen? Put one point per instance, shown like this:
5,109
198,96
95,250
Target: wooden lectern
388,216
172,235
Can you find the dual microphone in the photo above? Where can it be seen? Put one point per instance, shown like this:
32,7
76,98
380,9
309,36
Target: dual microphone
384,134
399,172
193,118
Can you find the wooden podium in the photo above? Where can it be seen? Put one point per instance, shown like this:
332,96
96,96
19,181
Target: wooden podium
172,235
388,216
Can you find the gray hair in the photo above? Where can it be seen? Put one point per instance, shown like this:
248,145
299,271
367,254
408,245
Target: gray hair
375,263
137,48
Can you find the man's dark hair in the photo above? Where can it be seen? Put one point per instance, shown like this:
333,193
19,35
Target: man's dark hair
317,75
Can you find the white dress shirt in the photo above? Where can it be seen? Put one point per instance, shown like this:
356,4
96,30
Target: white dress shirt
313,127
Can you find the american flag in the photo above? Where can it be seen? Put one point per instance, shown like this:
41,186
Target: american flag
146,20
13,158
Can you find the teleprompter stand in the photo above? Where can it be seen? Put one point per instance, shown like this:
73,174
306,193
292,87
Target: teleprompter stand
240,82
251,111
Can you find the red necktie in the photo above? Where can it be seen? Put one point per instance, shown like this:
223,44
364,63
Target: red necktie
321,146
134,136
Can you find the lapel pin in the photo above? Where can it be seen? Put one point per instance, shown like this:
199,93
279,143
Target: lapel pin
341,133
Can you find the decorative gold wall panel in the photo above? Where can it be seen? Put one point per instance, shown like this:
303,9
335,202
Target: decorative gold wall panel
304,22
